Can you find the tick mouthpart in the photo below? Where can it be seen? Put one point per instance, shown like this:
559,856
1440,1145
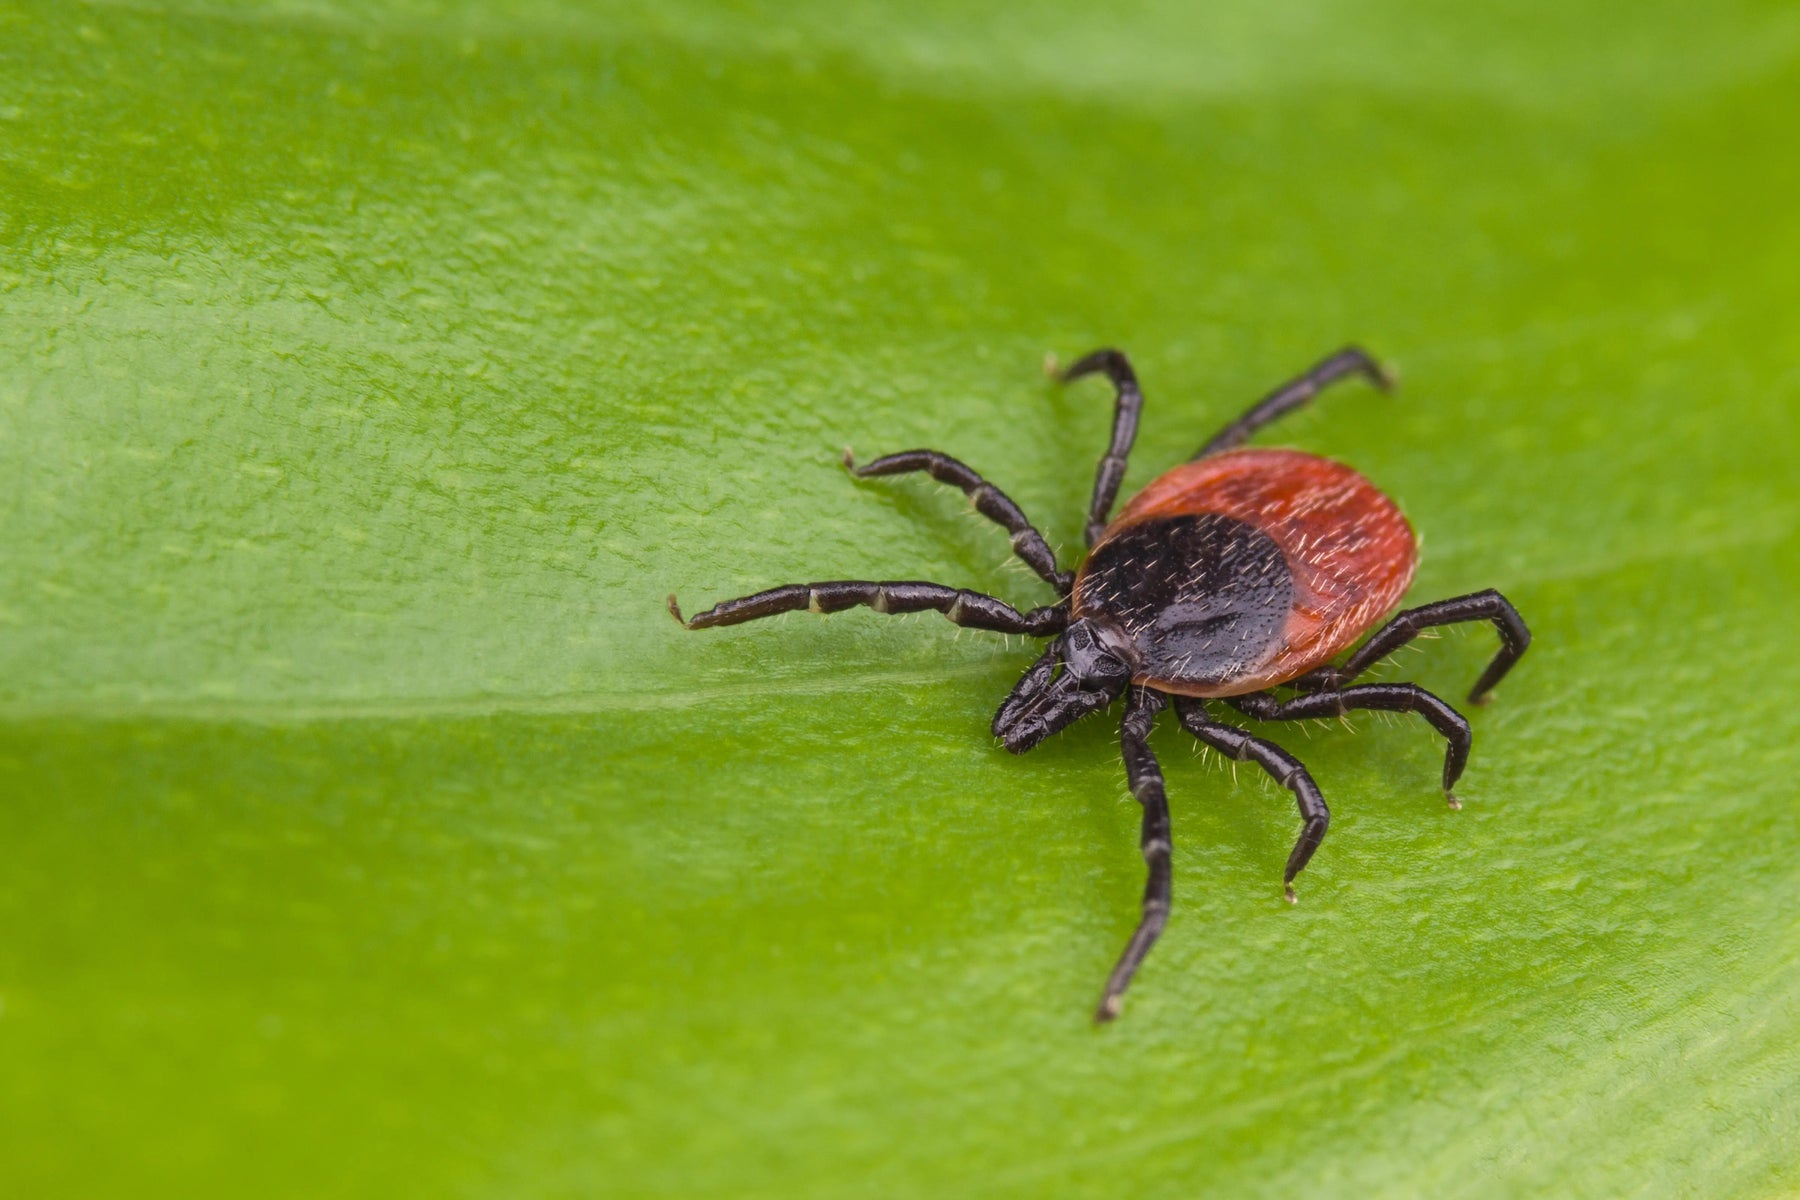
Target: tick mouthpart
1023,736
1027,722
675,611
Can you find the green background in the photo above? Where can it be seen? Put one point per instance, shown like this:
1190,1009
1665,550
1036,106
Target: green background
370,372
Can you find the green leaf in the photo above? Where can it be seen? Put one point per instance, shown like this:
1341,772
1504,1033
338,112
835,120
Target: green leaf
370,372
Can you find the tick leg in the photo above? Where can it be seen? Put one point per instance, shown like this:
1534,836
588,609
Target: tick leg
964,607
1129,403
1477,606
1297,393
1387,697
1283,767
1146,781
989,501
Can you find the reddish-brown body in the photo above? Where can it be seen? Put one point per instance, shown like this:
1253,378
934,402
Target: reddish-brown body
1349,550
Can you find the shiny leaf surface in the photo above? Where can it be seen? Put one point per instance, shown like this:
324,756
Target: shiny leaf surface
369,373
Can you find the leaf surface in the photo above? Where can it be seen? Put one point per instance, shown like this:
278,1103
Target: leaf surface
369,373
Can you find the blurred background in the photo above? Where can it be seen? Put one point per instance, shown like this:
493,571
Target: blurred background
370,372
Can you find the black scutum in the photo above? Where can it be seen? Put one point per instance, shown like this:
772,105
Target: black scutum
1203,596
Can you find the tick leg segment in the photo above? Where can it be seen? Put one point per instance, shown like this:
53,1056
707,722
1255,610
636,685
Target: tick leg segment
1477,606
989,501
1296,393
1146,780
964,607
1283,767
1386,697
1128,405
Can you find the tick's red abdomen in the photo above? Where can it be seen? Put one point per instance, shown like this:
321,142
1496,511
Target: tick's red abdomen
1348,551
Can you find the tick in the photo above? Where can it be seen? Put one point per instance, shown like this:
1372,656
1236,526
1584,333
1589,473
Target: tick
1238,572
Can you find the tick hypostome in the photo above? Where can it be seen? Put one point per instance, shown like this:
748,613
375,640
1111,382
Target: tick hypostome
1237,572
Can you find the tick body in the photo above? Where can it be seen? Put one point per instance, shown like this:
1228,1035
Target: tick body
1235,574
1246,569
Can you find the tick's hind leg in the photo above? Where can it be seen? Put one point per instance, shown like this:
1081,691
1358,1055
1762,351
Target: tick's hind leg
1296,393
1126,407
1146,779
1477,606
1283,767
989,501
958,604
1386,697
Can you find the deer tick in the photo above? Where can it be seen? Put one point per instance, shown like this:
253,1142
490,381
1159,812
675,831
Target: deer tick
1240,571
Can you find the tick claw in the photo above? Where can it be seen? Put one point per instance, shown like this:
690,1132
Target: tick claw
1109,1008
1452,801
849,460
1287,893
1051,366
675,611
